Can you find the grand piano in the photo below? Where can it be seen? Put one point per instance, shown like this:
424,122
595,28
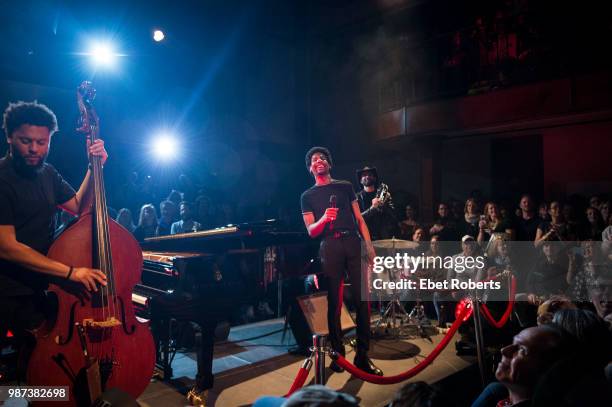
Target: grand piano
221,268
181,262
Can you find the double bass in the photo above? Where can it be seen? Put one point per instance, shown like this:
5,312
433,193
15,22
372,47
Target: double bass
96,342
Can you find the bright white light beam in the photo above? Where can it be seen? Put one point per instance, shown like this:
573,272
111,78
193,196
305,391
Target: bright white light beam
103,54
165,147
158,35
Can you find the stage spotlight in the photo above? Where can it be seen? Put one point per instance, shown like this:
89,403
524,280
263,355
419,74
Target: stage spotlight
165,147
102,54
158,35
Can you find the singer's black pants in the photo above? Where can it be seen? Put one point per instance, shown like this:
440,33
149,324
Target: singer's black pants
338,254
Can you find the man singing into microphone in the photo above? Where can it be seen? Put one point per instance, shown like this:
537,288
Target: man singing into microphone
331,213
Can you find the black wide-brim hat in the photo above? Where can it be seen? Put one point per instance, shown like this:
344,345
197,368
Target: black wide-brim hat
366,169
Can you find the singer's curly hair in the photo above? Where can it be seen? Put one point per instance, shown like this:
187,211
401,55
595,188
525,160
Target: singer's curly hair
32,113
317,149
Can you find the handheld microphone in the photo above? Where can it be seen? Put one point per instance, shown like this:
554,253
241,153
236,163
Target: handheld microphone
332,204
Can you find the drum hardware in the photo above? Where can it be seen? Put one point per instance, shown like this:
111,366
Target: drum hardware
413,323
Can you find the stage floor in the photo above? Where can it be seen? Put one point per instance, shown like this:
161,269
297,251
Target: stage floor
254,362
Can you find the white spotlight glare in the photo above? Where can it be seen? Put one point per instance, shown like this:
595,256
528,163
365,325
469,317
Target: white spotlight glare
103,54
158,35
165,147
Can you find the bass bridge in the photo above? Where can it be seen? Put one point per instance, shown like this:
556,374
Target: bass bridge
108,323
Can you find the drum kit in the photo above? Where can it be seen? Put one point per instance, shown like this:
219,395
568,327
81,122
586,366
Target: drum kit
394,320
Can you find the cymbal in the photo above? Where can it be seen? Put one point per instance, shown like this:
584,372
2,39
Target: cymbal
394,244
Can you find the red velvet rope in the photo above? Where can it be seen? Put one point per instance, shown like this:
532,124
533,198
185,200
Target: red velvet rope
487,314
302,374
298,382
408,374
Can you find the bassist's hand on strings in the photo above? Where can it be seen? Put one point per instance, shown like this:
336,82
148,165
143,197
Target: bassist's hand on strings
97,149
90,278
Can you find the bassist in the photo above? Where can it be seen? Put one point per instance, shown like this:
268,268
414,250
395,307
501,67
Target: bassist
30,192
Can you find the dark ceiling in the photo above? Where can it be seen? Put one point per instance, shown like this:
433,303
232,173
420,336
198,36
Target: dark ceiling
41,39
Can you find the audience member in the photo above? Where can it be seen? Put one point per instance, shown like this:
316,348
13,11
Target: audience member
600,293
147,223
418,235
167,212
444,226
409,224
499,259
493,223
545,279
556,229
124,218
594,225
547,309
532,353
585,264
310,396
463,272
595,201
471,217
548,276
187,223
437,273
527,222
604,209
543,212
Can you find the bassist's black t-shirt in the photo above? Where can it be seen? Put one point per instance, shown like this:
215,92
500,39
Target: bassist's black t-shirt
316,200
28,202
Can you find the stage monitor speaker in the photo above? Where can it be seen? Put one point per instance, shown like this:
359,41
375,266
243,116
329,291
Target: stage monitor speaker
314,307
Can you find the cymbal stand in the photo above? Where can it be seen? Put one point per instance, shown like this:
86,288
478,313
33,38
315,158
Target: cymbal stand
393,310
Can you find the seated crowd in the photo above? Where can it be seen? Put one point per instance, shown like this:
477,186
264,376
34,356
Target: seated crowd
562,317
175,217
550,221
